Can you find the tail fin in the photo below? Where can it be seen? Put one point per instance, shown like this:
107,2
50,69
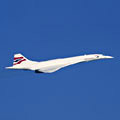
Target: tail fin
18,59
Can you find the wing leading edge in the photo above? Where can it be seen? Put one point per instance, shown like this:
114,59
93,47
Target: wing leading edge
52,66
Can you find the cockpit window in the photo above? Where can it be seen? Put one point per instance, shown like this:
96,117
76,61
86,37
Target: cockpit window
97,56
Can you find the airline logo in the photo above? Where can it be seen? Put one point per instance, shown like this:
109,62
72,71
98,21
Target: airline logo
18,60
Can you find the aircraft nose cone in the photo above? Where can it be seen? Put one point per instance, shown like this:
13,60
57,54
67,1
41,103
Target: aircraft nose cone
109,57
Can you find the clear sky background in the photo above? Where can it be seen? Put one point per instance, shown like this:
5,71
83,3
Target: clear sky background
48,29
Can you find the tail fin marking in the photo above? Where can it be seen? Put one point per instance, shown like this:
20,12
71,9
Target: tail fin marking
18,58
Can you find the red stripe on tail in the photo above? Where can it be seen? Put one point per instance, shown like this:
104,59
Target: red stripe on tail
18,58
19,62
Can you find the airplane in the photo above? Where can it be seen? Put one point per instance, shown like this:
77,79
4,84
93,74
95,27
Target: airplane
50,66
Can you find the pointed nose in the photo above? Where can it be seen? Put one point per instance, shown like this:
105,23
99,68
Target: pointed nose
108,57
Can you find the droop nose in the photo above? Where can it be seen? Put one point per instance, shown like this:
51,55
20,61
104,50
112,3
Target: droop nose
108,57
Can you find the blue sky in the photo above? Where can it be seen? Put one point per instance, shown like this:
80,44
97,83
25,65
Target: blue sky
43,30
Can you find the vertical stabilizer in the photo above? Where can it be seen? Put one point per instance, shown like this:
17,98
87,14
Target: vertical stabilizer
18,59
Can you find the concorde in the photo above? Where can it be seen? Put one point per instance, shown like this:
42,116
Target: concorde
20,62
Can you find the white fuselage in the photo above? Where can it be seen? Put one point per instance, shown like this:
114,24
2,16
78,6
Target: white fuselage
54,65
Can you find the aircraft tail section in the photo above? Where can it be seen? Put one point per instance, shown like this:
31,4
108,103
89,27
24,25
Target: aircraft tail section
21,62
18,59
